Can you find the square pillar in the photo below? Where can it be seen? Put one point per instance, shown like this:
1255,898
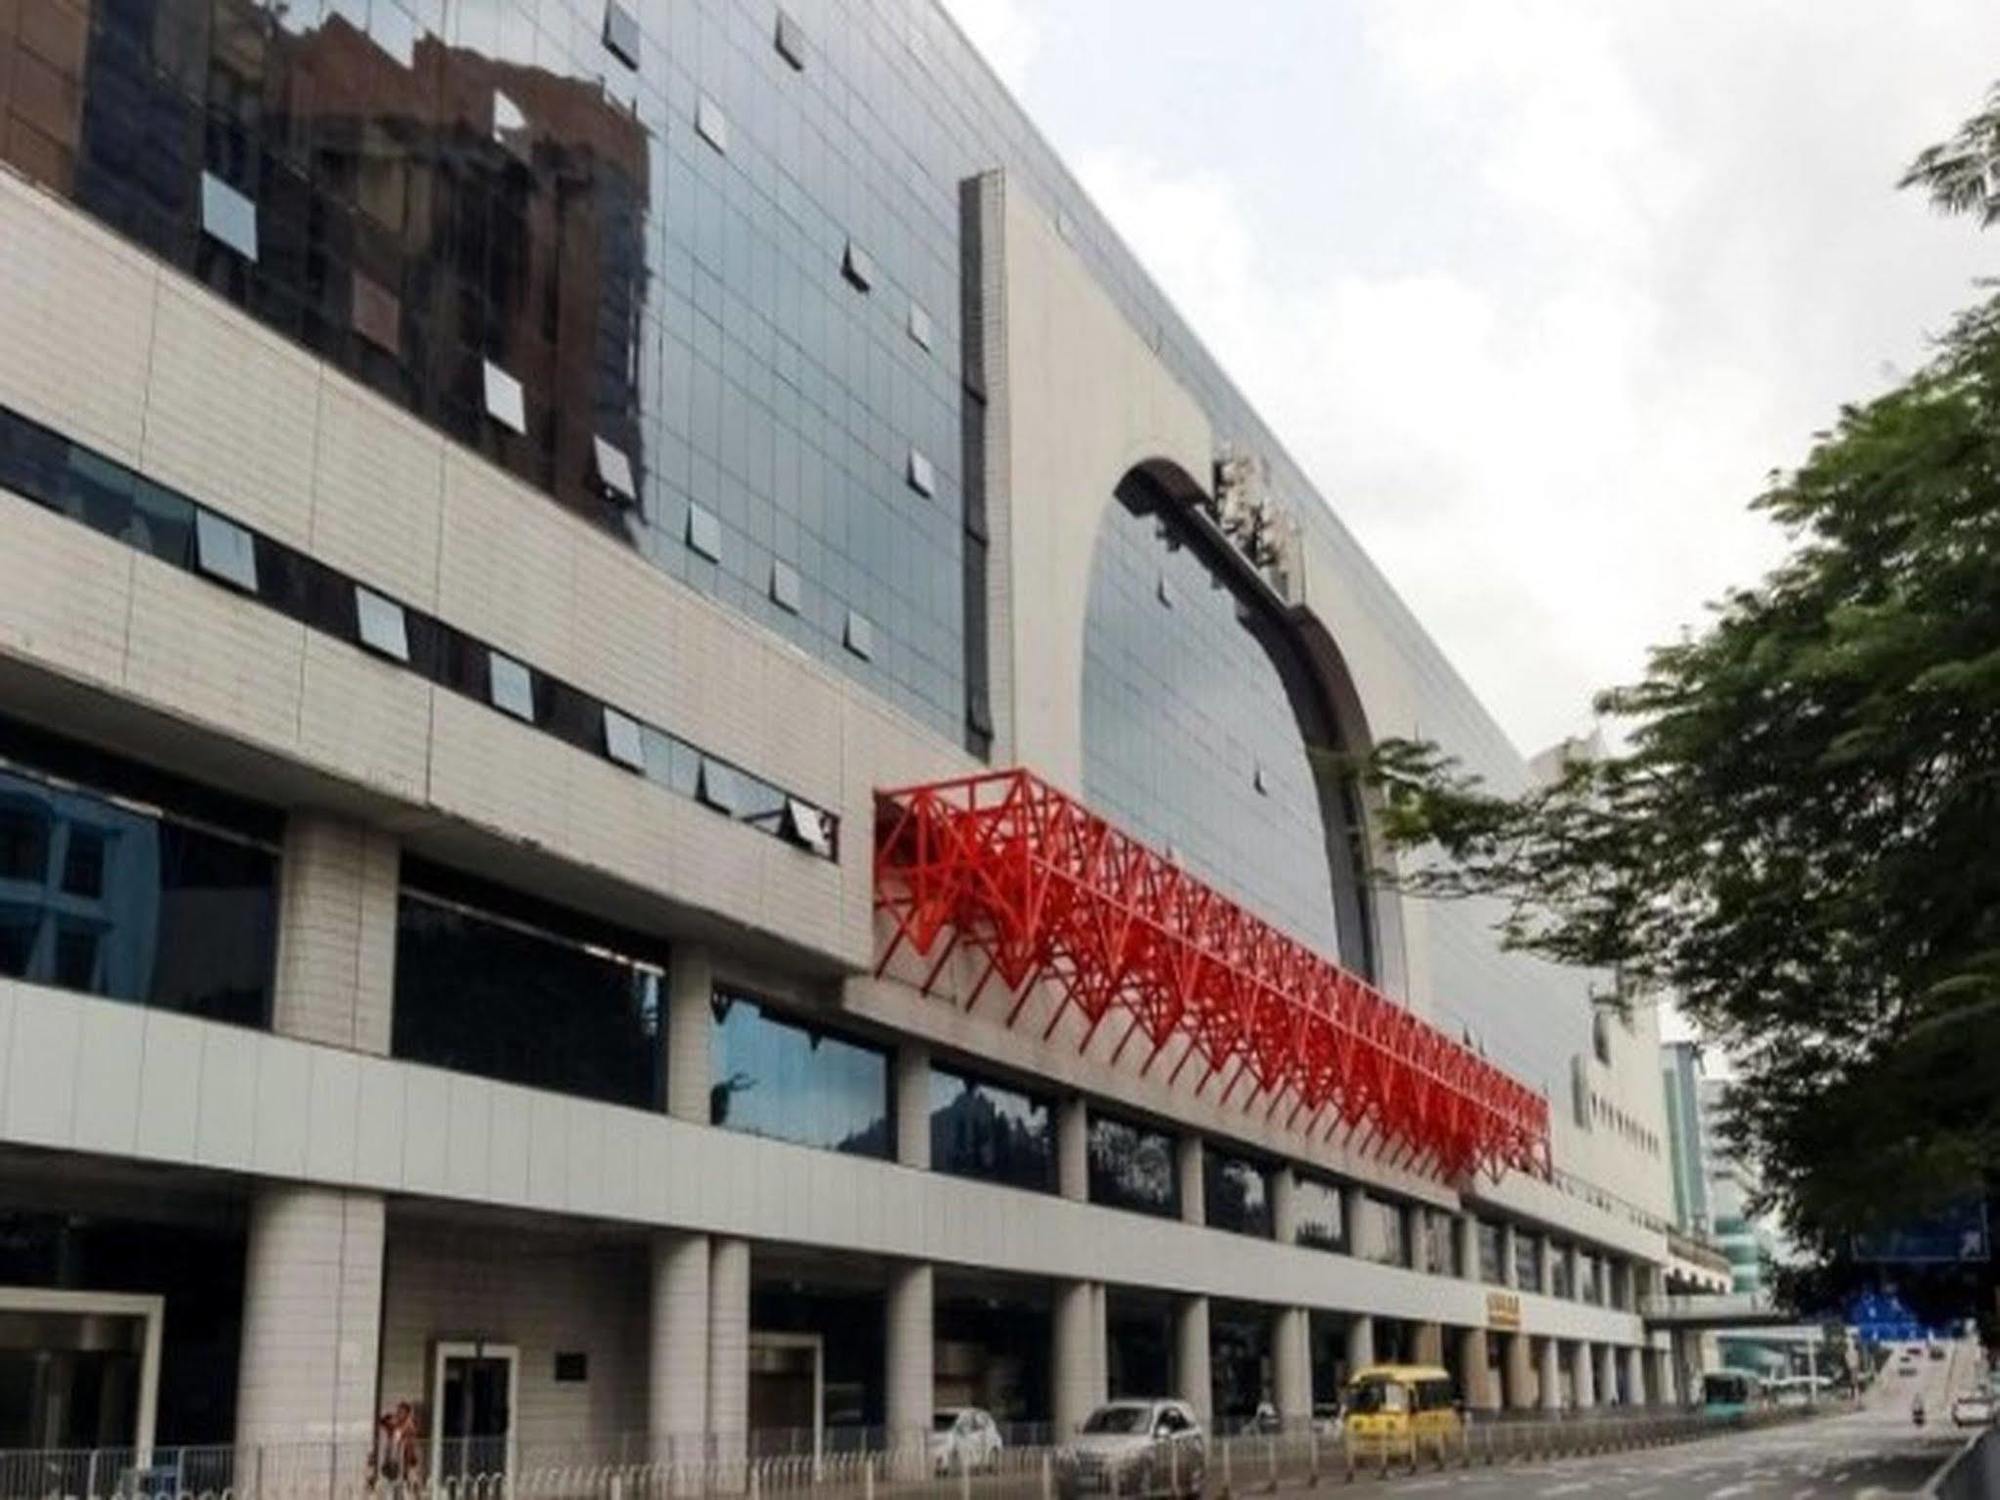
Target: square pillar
1550,1375
1285,1205
1430,1344
1607,1374
312,1319
1519,1373
1187,1166
690,1019
913,1107
1509,1235
1475,1375
1291,1365
1360,1343
1073,1150
1466,1228
1364,1238
908,1356
1582,1375
1077,1363
1193,1381
336,966
1635,1375
729,1350
677,1367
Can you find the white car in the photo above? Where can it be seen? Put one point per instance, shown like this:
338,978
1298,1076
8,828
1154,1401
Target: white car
1135,1447
964,1438
1973,1411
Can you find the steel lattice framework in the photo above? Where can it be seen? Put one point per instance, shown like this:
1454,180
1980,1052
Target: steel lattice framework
1052,894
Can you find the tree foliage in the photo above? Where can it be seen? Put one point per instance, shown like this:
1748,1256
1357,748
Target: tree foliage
1801,839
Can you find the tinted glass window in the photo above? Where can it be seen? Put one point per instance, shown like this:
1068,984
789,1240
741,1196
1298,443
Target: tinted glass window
1492,1252
132,905
769,1075
1132,1166
489,994
1390,1242
1559,1277
984,1129
1322,1215
1528,1261
1236,1193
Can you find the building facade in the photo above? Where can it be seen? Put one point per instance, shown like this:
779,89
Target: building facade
499,505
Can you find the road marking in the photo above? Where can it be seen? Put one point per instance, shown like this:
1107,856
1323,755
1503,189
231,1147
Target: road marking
1641,1494
1565,1489
1727,1490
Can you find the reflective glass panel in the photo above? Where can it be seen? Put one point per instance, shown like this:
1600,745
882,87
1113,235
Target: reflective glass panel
988,1130
1236,1193
773,1076
1492,1254
1322,1214
1528,1261
1132,1166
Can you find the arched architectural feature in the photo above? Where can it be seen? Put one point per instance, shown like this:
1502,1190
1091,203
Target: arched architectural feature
1211,729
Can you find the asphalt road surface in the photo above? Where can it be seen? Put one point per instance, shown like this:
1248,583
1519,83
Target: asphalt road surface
1874,1451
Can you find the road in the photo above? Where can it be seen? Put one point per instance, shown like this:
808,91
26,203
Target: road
1874,1451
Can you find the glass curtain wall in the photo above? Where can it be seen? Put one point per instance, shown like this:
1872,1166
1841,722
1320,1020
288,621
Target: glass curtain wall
793,1081
988,1130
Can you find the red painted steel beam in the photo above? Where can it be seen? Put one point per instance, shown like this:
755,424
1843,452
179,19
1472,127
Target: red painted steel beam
1050,893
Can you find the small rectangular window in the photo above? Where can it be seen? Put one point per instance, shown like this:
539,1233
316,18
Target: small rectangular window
791,41
505,403
704,533
623,741
511,687
621,33
717,786
860,635
228,216
614,470
921,476
510,126
711,124
806,825
857,266
225,551
920,325
383,627
785,588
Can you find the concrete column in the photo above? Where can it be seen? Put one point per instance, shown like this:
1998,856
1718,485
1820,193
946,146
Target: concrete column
336,968
677,1372
1364,1239
1192,1380
1075,1366
1635,1376
312,1319
1549,1374
1607,1374
1285,1206
1582,1375
1475,1377
1519,1373
913,1107
690,1018
1187,1167
1508,1236
1360,1343
729,1349
1467,1231
908,1356
1291,1365
1430,1344
1100,1342
1574,1259
1548,1282
1073,1151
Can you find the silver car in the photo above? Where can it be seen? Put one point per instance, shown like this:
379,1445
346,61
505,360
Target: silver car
1135,1447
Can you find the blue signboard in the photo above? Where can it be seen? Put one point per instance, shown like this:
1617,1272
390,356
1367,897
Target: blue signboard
1955,1237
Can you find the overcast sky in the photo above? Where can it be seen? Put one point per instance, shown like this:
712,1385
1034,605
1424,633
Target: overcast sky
1538,293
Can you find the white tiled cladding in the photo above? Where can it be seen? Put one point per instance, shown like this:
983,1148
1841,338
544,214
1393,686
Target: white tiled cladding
214,1096
365,719
232,412
76,321
336,934
378,494
200,653
545,1293
67,595
312,1311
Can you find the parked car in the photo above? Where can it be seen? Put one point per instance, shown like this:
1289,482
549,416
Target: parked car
1973,1410
1135,1447
964,1437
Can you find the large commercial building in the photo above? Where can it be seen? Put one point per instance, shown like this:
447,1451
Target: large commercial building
520,527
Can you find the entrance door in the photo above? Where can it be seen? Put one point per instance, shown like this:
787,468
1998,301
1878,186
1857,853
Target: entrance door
472,1398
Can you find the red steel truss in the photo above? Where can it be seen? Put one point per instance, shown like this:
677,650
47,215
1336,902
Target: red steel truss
1050,893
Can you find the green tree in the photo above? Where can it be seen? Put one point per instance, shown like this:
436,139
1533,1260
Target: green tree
1801,838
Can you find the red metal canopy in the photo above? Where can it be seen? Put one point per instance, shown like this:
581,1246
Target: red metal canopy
1051,893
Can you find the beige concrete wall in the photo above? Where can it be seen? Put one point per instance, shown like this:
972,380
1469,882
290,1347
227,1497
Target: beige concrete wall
336,933
542,1292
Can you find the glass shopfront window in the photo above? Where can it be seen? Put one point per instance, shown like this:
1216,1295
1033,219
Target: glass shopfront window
130,902
1132,1166
1527,1261
487,983
1322,1214
987,1130
1492,1254
1236,1193
793,1081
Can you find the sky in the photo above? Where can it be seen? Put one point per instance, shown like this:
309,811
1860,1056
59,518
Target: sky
1539,294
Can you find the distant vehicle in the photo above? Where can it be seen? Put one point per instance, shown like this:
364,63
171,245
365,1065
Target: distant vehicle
1973,1411
1391,1406
1135,1447
964,1438
1730,1393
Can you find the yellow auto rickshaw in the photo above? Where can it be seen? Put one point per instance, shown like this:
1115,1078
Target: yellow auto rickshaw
1402,1411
